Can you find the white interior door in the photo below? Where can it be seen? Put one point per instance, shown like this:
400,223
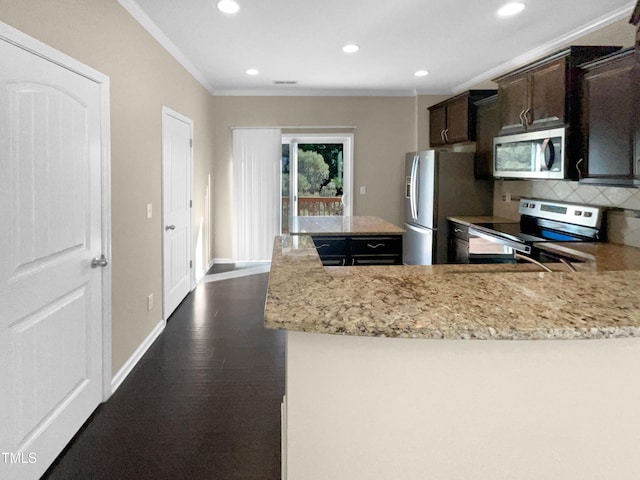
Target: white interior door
51,299
177,134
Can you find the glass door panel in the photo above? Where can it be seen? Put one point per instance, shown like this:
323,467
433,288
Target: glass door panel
315,177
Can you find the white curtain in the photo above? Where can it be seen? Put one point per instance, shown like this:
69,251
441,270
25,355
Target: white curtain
257,195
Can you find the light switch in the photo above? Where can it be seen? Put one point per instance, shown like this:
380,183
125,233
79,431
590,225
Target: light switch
149,210
363,190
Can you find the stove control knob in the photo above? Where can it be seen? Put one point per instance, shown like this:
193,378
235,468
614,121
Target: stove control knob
588,214
532,205
525,204
579,212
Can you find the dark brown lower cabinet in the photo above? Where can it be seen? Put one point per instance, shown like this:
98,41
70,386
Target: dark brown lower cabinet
359,250
611,120
458,243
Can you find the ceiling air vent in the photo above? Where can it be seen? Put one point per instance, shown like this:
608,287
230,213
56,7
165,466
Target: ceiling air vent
285,82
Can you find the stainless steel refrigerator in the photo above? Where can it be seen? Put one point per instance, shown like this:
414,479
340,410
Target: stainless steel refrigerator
439,184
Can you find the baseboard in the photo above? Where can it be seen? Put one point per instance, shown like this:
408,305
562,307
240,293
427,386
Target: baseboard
209,265
223,260
126,369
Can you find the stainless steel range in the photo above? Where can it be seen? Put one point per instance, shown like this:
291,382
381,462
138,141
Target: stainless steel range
541,221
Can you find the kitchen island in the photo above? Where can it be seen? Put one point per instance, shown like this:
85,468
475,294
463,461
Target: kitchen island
348,240
412,371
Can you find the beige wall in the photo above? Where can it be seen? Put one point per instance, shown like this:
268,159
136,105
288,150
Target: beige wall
143,77
385,130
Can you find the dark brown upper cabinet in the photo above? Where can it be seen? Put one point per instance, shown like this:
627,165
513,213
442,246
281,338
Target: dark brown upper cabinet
486,129
544,94
611,120
454,120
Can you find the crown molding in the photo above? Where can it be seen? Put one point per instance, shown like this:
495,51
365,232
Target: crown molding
547,48
312,92
149,25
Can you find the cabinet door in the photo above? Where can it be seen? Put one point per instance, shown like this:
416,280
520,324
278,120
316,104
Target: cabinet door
547,92
512,101
437,124
635,85
458,243
458,121
487,128
609,120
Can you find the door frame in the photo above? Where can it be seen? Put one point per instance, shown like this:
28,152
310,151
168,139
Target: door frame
36,47
347,173
166,111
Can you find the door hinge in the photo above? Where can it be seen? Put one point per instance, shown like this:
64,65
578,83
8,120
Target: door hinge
190,203
191,142
190,263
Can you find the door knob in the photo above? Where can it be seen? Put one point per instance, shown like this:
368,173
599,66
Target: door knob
100,261
170,227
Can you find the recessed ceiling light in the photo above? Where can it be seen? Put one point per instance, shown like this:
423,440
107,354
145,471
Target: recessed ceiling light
252,71
228,6
511,9
351,48
421,73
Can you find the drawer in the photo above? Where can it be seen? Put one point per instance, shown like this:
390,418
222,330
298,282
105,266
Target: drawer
376,245
377,260
331,246
333,260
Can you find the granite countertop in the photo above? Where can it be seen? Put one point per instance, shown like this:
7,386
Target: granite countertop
342,226
455,301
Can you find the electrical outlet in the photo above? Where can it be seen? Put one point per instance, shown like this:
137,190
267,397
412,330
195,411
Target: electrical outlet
506,197
149,210
363,190
150,301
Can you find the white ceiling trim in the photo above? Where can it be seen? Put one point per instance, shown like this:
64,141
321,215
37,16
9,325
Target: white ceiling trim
547,48
143,19
315,93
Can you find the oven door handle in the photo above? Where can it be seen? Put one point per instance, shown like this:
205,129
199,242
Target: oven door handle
520,247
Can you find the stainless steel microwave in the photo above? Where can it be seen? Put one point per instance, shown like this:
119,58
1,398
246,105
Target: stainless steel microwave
530,155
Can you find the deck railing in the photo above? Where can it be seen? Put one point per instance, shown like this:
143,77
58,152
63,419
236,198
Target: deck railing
312,206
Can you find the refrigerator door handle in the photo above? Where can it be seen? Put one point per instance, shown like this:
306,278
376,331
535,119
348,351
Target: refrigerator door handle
414,170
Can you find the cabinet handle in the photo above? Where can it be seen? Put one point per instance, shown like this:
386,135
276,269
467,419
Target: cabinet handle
446,135
578,168
637,172
526,117
323,245
344,260
522,117
442,136
376,245
457,230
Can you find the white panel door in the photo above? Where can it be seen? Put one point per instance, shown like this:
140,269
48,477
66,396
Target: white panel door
176,208
50,296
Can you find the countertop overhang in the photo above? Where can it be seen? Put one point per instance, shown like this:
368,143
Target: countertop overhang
455,301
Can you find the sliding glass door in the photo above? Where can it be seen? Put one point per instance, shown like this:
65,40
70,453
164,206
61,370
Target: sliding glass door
316,176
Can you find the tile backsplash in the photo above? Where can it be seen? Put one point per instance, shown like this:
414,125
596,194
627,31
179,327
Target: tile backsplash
623,223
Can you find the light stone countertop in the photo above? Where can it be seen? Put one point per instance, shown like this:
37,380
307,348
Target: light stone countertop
601,300
347,225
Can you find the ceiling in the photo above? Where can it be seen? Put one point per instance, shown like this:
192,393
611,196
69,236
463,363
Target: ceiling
460,42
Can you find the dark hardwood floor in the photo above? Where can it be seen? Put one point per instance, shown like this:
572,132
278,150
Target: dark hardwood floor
203,403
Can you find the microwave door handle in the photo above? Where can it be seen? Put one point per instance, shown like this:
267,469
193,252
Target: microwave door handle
548,147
